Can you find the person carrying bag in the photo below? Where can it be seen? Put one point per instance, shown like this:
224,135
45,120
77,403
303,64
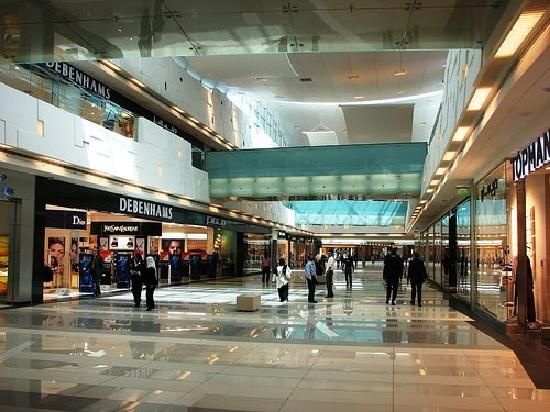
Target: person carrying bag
282,279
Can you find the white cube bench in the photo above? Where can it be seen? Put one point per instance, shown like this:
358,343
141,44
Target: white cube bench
249,303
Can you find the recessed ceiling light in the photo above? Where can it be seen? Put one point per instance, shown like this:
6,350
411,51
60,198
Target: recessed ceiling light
449,155
461,134
515,37
478,99
358,97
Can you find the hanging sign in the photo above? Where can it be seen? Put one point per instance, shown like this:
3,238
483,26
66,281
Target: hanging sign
533,157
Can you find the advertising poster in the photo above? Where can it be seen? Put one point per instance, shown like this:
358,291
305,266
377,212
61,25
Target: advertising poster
73,255
123,270
85,276
4,256
171,246
56,253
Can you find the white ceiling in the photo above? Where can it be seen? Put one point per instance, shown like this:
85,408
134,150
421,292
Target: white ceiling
336,78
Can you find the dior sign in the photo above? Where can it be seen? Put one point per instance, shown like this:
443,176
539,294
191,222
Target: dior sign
533,157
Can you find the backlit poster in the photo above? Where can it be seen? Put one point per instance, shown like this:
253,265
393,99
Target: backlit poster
4,260
56,253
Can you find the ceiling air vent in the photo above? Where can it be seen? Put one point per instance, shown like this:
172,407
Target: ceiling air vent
305,79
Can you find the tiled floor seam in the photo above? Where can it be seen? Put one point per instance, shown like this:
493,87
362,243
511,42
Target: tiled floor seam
299,383
493,393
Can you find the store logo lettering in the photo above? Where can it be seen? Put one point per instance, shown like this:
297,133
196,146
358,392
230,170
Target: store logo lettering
142,207
77,221
536,155
120,229
79,78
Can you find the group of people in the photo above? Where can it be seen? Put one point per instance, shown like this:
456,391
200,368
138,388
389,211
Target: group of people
143,273
393,272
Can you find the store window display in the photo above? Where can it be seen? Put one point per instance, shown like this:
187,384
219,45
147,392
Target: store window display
494,263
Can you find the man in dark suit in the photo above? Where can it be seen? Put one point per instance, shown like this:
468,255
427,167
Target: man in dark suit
416,275
393,271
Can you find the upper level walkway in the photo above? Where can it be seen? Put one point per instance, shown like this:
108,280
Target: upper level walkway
195,353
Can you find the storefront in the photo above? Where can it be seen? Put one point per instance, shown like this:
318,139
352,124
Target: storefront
257,246
529,234
74,223
493,268
16,235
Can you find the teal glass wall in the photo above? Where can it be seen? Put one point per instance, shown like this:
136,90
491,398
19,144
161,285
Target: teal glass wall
349,212
378,170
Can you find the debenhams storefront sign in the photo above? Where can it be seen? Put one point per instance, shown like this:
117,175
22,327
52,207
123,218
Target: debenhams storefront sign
533,157
145,208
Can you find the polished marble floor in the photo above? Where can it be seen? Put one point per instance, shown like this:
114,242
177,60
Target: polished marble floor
196,353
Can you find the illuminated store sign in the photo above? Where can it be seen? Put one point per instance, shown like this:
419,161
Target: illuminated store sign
215,221
66,219
126,228
145,208
533,157
79,78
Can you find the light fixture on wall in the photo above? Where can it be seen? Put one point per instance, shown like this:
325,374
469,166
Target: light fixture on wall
461,133
519,33
478,99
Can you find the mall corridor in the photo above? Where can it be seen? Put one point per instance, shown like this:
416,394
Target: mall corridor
196,353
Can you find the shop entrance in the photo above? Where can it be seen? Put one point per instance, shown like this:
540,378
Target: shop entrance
77,240
8,227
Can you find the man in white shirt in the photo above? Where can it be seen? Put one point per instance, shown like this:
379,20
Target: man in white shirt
331,267
311,279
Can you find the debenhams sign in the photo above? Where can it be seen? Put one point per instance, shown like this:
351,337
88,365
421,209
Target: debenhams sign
536,155
145,208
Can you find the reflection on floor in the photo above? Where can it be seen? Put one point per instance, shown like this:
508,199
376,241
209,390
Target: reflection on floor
195,353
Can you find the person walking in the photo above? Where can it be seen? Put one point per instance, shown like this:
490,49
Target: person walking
96,270
137,268
311,279
392,272
266,268
283,277
416,275
150,280
347,267
331,267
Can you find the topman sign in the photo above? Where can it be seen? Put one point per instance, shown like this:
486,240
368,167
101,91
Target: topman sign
533,157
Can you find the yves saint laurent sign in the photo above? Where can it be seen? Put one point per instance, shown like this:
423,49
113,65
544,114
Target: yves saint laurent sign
79,78
532,157
66,219
145,208
126,228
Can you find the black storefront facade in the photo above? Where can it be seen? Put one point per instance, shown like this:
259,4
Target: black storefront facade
224,255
